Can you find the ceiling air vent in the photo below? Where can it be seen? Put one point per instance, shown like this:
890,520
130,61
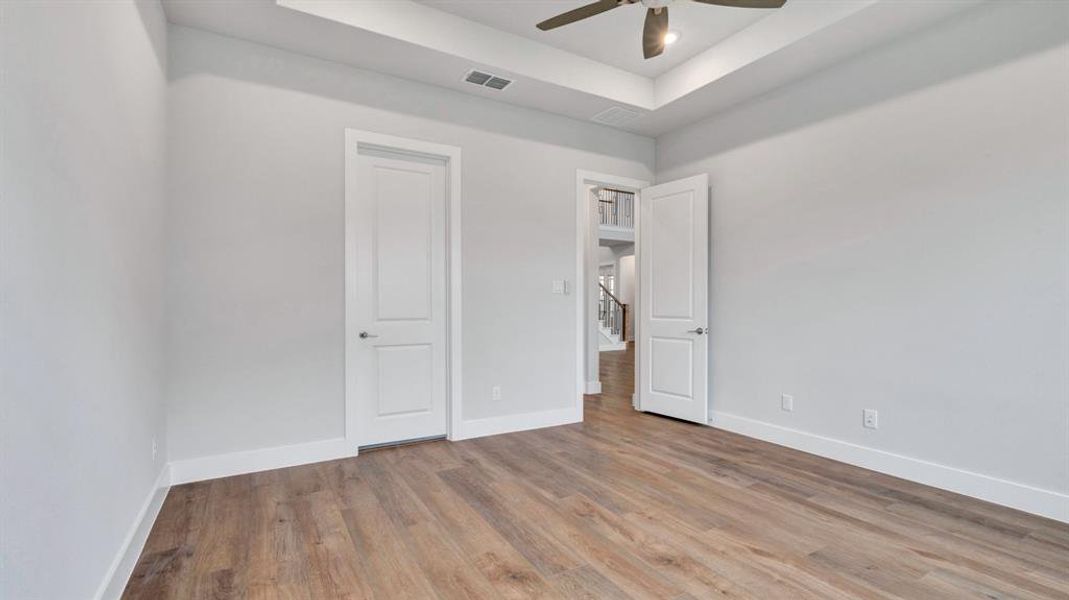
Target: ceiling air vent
477,77
487,80
498,83
616,116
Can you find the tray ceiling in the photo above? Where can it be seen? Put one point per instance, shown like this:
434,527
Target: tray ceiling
612,37
725,55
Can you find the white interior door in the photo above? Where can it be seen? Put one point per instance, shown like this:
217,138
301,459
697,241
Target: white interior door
397,332
673,340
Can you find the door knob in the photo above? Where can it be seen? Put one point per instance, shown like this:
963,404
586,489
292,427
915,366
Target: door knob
697,330
365,335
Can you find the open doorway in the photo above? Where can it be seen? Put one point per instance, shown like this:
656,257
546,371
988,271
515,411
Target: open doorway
608,223
616,291
665,228
616,317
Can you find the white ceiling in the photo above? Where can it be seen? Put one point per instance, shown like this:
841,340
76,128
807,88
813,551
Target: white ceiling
568,74
613,37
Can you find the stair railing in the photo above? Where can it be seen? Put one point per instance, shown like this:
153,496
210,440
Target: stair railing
611,312
616,208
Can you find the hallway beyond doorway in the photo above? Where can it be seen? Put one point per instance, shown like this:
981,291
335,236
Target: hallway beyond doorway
617,372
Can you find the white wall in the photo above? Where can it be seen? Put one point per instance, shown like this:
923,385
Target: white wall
894,233
81,257
625,269
256,239
606,256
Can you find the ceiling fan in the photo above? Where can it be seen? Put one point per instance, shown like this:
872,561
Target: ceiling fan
656,17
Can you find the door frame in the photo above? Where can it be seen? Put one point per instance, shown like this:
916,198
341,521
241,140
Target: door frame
586,250
355,141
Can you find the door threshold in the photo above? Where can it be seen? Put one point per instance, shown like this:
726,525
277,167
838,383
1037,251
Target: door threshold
430,438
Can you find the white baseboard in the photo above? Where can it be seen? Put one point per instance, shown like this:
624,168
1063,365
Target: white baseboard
592,387
1046,503
510,423
263,459
613,347
126,559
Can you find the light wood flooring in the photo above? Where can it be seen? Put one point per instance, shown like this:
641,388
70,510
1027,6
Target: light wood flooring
624,505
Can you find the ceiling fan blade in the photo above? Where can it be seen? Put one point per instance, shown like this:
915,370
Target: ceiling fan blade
578,14
746,3
653,32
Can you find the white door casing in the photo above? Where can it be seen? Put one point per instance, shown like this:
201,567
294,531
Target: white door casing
397,346
586,267
673,340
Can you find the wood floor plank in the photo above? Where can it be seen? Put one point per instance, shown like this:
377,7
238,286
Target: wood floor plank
431,547
509,573
379,547
623,505
161,570
334,568
637,578
585,583
527,536
681,568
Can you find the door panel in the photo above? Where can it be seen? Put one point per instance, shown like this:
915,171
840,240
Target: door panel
402,243
673,345
405,374
671,259
399,274
671,367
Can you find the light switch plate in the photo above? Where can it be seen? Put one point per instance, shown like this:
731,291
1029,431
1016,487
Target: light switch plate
870,418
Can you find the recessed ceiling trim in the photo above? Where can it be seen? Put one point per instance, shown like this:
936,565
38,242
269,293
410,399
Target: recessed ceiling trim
785,26
424,26
739,68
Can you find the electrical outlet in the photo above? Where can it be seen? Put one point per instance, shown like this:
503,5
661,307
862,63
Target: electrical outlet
786,402
495,392
869,418
155,449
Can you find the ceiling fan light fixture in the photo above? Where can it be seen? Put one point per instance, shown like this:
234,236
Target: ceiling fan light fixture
655,33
